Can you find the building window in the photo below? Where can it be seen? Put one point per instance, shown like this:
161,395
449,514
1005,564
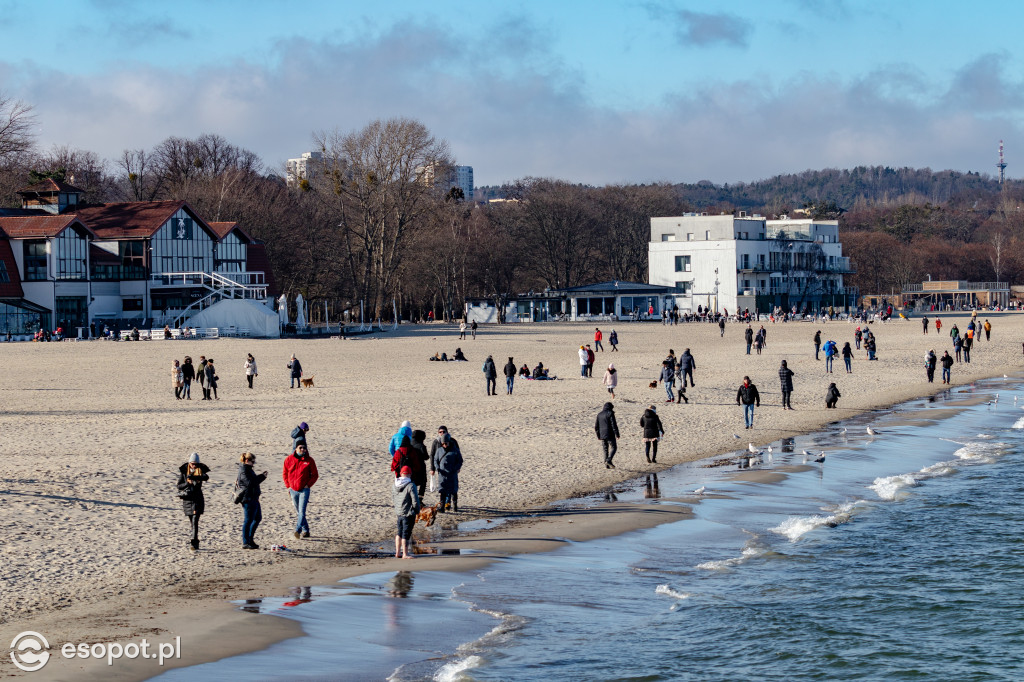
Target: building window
133,259
746,261
689,236
131,305
682,264
667,237
707,235
684,287
71,255
4,277
35,260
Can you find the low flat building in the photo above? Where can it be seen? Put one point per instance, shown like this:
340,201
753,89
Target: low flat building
955,295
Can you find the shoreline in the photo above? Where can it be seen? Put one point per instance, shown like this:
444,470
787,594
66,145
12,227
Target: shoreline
161,609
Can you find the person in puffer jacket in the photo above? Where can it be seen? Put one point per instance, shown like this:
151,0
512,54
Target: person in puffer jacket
407,504
299,475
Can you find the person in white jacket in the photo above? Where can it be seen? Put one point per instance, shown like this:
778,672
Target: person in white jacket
584,361
611,379
250,368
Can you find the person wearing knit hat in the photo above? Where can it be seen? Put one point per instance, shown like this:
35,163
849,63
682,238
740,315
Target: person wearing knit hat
611,379
510,375
299,436
407,504
191,476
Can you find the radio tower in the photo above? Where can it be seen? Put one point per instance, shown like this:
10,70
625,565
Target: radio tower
1002,164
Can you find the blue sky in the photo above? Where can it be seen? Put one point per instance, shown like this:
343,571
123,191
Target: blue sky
596,92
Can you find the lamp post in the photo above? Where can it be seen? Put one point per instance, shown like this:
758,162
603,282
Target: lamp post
716,289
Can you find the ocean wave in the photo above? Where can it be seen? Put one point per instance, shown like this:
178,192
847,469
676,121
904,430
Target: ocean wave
940,469
668,591
891,487
985,453
722,564
1019,424
795,527
453,672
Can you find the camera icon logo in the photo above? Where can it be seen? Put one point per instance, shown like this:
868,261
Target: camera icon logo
29,651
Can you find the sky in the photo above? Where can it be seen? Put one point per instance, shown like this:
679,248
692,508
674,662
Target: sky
598,92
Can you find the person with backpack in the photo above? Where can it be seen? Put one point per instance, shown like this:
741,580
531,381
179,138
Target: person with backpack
191,476
299,474
247,484
830,354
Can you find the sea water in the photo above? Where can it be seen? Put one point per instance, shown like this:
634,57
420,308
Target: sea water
898,557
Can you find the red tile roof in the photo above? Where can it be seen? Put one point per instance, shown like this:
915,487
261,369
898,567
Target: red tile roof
223,229
50,185
132,220
39,225
13,288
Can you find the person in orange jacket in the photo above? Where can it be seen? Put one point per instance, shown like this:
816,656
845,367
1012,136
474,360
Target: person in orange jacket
299,475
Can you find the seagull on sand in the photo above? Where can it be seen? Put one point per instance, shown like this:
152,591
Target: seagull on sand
871,431
736,436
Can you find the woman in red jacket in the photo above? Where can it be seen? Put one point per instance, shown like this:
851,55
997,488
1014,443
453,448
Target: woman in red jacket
299,476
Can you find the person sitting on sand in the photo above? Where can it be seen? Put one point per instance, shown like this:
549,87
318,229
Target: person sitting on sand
524,371
459,357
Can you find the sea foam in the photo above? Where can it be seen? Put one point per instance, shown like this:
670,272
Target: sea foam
722,564
453,672
795,527
668,591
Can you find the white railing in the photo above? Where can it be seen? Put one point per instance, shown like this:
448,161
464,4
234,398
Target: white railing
244,285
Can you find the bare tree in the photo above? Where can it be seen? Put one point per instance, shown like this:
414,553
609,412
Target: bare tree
998,243
382,180
16,122
558,226
623,214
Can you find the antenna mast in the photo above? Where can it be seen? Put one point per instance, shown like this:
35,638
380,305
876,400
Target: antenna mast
1002,164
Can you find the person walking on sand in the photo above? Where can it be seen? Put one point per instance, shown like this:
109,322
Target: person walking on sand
472,329
830,355
929,365
786,381
404,431
938,325
446,461
957,347
177,379
296,372
299,474
611,379
668,380
591,358
947,364
201,374
510,375
462,331
491,374
924,323
653,431
857,337
681,378
848,357
597,339
748,335
407,504
248,483
418,457
607,431
583,361
686,366
299,436
988,330
817,344
188,373
721,327
211,379
968,342
250,369
191,475
748,396
613,341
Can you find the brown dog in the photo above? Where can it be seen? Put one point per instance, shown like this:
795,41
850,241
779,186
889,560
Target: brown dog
653,384
428,515
308,383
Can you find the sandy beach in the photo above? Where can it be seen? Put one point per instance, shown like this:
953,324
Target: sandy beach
93,538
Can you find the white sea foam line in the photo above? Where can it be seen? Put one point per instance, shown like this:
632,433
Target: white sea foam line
795,527
721,564
453,672
1019,424
668,591
889,487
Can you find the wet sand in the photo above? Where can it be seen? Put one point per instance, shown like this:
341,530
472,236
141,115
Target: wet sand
93,536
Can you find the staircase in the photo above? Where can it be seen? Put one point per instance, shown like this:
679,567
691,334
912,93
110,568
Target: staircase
242,285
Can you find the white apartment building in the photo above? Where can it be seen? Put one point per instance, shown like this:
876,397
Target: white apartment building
302,168
735,263
464,180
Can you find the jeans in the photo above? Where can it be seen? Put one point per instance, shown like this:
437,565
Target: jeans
583,370
858,344
252,514
609,447
187,390
688,373
668,389
785,398
492,385
508,384
296,381
597,345
871,355
748,347
748,415
846,360
300,498
828,363
945,375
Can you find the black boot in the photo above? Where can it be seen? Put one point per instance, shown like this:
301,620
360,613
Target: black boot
455,502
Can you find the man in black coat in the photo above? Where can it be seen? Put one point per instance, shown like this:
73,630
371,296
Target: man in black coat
748,395
930,361
817,344
748,334
607,431
786,381
686,366
491,374
510,375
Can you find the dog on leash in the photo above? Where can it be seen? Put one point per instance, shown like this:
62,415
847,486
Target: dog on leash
308,383
428,515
